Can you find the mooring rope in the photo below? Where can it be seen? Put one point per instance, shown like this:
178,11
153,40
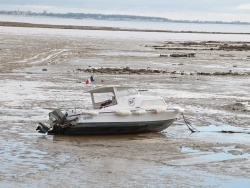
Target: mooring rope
193,129
190,127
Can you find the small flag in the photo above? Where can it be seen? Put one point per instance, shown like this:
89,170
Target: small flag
91,79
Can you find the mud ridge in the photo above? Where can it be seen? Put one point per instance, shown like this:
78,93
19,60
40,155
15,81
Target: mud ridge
128,70
22,24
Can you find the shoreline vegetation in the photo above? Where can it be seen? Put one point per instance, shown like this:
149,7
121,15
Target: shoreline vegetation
114,17
32,25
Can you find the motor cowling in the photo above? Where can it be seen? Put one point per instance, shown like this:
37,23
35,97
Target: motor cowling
58,116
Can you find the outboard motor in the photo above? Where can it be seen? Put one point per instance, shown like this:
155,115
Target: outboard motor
42,128
57,115
57,123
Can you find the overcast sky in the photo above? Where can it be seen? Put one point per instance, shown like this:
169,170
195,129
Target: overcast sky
211,10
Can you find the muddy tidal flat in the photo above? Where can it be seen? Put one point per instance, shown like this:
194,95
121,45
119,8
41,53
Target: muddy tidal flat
43,70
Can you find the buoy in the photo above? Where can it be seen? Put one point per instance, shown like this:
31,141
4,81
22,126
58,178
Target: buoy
93,113
160,110
139,112
179,110
90,112
123,112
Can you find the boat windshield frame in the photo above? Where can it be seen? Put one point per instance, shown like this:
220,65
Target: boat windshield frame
118,92
125,91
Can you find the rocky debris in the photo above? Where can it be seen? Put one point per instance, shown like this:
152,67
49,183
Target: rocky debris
44,69
164,55
173,48
226,55
204,45
235,152
183,55
190,43
178,55
128,70
239,106
238,47
230,73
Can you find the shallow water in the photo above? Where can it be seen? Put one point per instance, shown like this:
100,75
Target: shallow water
238,135
151,36
200,157
197,178
131,24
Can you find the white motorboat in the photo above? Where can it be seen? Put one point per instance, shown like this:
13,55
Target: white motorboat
114,110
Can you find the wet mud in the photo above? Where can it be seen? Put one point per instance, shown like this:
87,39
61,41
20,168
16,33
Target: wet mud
40,73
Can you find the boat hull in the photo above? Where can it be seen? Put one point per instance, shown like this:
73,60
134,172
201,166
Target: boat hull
116,127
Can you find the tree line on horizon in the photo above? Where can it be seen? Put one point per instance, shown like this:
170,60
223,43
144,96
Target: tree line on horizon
116,17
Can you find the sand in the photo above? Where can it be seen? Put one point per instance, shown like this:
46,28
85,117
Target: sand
42,72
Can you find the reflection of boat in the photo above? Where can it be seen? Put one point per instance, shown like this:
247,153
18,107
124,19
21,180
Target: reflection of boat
114,110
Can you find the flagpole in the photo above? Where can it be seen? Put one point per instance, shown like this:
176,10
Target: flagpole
93,78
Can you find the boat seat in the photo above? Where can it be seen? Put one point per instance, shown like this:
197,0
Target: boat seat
106,103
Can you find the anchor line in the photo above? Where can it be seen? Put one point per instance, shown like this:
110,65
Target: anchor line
190,127
193,129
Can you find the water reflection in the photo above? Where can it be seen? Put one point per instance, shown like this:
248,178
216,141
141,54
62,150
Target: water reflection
122,137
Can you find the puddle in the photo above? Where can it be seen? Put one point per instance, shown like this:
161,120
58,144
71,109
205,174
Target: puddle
192,176
225,128
215,134
113,138
21,158
200,157
196,178
223,134
190,150
36,135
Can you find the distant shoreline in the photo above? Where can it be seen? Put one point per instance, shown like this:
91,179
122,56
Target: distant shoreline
114,17
31,25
